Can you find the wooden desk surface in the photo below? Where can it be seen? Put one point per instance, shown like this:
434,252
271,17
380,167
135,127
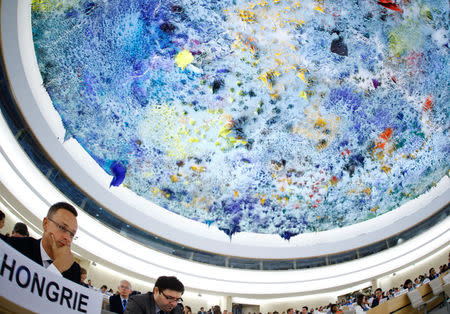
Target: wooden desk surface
402,305
9,307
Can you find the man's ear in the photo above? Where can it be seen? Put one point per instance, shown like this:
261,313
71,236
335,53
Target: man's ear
45,223
155,290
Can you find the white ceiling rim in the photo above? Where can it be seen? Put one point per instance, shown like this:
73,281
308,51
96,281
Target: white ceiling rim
35,104
34,191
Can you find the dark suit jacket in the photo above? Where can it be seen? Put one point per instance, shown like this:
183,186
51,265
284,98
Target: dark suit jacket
31,248
115,304
145,304
375,301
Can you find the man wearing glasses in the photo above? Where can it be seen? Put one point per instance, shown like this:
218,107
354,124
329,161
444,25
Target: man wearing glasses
118,302
53,250
165,298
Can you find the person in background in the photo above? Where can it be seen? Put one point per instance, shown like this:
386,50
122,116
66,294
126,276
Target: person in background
103,289
432,274
53,251
2,219
361,304
187,309
202,311
83,277
290,311
166,297
216,309
334,308
89,283
378,297
118,302
305,310
408,285
20,230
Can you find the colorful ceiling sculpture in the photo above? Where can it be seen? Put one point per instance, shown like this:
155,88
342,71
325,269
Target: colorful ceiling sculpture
277,116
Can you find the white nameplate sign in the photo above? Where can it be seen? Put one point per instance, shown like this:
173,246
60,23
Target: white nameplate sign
33,287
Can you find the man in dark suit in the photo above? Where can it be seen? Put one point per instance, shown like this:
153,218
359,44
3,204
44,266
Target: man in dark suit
53,250
165,298
118,302
202,311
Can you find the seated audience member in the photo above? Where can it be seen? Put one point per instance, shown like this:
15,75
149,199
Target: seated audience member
361,304
432,274
2,219
89,283
53,250
187,309
379,298
390,293
408,285
225,311
166,297
83,277
305,310
216,310
20,230
118,302
334,308
103,289
202,311
290,311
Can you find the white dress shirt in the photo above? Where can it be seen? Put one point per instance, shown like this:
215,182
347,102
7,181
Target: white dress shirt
46,261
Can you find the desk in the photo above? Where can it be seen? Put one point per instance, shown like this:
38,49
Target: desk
402,305
8,307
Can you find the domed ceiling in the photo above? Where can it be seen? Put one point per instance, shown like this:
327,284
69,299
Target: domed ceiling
279,117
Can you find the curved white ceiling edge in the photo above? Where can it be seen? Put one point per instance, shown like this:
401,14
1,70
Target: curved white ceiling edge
36,106
28,185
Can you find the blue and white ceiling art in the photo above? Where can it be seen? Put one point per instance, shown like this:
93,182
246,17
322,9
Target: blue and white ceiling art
279,117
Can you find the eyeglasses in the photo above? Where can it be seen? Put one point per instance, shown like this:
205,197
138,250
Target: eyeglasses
171,299
64,229
124,287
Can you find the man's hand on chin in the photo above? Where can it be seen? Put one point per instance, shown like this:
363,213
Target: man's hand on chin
63,258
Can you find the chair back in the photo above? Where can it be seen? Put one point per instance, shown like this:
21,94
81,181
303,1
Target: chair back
415,298
447,278
436,286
